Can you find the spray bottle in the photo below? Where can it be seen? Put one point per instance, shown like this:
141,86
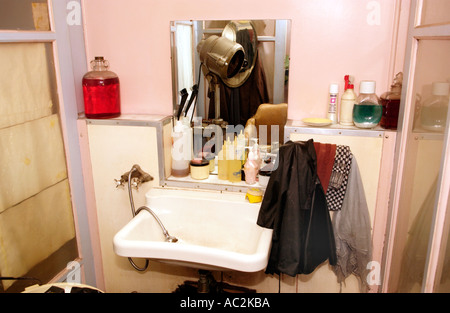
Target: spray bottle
347,101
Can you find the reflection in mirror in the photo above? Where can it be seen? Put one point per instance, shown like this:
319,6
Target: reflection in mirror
422,166
261,78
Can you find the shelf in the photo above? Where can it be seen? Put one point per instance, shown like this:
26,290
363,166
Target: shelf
212,182
293,126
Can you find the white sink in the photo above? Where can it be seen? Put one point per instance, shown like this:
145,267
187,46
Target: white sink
215,231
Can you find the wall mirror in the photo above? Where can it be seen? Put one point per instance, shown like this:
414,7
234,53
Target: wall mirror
264,71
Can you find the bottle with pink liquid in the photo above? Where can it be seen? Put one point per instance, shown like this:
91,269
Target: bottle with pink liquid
101,91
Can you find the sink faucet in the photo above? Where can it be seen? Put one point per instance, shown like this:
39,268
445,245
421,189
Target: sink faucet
135,176
139,176
164,230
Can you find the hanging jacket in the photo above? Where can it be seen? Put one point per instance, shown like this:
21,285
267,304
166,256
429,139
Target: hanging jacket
294,206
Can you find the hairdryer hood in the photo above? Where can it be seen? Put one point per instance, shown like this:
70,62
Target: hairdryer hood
231,56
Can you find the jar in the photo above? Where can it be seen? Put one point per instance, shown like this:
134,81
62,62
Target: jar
433,114
101,91
199,169
367,110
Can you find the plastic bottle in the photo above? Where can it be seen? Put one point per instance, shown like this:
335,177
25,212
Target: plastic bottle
390,102
252,164
348,100
240,149
101,91
433,115
181,149
367,109
333,103
222,165
234,165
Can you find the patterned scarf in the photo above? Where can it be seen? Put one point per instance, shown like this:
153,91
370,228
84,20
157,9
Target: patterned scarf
339,178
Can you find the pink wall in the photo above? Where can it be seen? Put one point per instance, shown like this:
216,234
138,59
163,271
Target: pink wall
330,38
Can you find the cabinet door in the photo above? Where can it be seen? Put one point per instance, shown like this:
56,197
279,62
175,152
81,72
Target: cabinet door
418,236
42,194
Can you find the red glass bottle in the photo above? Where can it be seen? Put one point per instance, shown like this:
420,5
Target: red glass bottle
391,104
101,91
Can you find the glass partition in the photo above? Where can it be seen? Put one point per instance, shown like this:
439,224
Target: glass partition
434,12
25,15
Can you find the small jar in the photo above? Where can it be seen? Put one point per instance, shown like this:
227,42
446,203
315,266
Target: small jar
367,110
199,169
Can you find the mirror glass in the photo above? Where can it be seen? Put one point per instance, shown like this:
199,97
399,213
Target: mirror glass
261,78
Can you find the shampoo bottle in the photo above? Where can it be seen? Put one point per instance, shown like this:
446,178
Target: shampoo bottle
222,165
347,101
234,165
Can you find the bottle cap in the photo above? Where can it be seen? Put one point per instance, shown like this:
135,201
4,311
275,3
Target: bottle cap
367,86
440,89
334,88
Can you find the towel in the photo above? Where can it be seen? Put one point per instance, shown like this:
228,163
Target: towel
325,153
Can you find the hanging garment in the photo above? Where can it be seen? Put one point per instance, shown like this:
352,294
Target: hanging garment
237,105
326,154
352,231
294,206
339,178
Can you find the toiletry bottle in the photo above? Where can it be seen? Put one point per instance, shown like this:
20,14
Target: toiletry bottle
252,164
367,109
181,154
390,102
347,101
101,91
230,157
433,114
234,169
222,165
333,103
240,150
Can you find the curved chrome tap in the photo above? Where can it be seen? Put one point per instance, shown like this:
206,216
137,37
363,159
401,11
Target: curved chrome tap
138,174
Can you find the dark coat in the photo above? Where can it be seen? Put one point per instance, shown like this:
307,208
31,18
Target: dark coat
294,206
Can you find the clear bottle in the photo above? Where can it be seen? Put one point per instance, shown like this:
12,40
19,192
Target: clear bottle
101,91
390,102
222,164
181,150
367,110
234,165
433,114
333,103
347,102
